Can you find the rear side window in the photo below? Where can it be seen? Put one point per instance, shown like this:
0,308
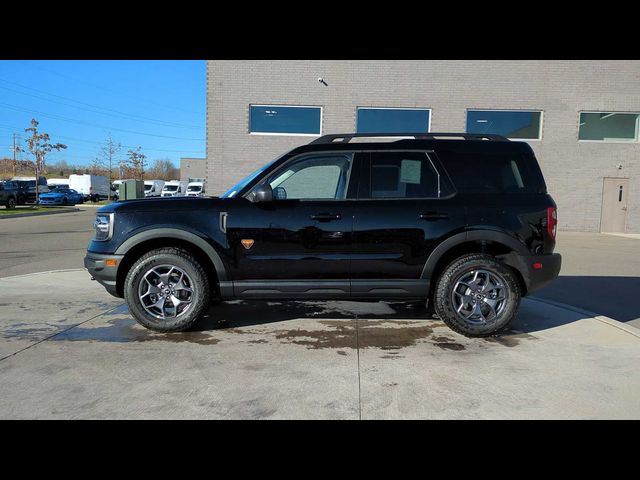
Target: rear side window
491,172
403,175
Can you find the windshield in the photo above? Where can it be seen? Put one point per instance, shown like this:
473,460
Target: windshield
194,188
171,188
147,187
246,180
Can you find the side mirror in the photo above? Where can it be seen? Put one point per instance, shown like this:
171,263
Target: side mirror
263,193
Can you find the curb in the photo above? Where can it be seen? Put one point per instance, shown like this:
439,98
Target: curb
601,318
42,273
23,215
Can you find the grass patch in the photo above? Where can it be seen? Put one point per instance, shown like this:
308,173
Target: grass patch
101,202
5,212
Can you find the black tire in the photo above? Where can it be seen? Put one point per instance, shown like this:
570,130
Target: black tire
456,270
183,260
11,203
64,201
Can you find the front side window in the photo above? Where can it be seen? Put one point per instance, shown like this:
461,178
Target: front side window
608,126
516,124
392,120
403,175
285,120
316,177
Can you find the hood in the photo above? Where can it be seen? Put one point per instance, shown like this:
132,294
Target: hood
167,204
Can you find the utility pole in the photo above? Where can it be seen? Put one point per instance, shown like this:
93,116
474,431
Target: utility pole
15,163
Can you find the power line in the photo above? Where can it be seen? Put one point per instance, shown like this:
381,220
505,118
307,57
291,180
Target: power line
137,98
8,106
6,127
116,114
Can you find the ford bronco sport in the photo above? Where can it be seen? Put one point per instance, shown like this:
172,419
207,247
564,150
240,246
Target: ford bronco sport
461,221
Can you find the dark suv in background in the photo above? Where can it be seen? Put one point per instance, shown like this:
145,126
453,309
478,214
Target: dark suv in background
461,221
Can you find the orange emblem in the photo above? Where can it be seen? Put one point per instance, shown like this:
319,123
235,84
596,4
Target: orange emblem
247,243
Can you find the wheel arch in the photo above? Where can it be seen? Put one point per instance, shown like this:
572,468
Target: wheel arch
499,244
136,246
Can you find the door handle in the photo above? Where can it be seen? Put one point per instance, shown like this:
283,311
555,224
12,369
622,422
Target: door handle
326,217
432,216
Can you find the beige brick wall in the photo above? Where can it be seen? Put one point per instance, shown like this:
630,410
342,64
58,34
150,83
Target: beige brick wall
192,168
574,171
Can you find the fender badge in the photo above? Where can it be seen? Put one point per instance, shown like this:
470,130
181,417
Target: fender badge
247,243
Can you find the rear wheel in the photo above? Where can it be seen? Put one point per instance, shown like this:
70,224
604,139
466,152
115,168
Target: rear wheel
477,295
167,290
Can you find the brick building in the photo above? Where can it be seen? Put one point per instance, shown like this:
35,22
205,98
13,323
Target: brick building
580,117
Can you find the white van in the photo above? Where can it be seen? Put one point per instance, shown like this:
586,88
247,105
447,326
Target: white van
195,189
90,186
57,183
174,188
153,188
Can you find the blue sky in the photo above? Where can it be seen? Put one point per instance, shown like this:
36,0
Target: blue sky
156,104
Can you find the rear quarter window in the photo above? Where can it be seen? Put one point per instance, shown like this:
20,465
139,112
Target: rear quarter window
486,172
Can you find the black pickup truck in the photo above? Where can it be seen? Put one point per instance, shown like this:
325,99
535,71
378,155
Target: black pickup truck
10,194
461,221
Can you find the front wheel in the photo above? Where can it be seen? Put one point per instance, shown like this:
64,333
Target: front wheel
167,290
477,295
11,203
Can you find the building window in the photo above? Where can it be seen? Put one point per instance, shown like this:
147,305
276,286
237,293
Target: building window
516,124
608,127
392,120
285,120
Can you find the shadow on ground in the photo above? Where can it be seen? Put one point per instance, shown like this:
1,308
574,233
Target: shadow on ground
614,297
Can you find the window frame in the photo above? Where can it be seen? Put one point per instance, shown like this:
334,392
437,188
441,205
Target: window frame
281,134
444,182
635,140
509,110
352,175
430,110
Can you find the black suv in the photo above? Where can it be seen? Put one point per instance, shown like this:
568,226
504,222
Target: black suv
462,221
9,194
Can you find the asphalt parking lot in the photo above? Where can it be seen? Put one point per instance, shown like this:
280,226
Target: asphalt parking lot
69,350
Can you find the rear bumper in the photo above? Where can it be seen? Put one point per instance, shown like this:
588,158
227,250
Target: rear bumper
548,269
106,276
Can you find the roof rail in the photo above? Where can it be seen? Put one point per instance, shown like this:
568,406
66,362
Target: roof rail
347,137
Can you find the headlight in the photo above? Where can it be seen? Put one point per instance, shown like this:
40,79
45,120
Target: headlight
103,227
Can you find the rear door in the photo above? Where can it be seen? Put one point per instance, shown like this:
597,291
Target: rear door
405,207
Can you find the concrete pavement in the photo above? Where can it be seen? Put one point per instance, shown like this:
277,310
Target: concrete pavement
302,360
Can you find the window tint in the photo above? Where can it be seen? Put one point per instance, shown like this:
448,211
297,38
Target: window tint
609,127
279,119
490,172
403,175
313,177
392,120
511,124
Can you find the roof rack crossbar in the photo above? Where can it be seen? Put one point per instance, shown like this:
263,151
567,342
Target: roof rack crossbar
347,137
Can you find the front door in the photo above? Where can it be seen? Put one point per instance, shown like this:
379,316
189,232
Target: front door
299,244
614,205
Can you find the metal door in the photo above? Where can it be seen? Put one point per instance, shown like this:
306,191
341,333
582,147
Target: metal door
614,205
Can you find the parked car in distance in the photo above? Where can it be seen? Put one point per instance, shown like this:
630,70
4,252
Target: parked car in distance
174,188
153,188
53,183
195,189
92,187
9,193
27,186
61,196
461,221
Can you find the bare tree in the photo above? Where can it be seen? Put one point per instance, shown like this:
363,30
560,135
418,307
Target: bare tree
136,161
163,169
39,146
107,153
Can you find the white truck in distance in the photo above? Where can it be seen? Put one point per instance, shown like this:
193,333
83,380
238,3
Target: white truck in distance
90,186
174,188
195,189
57,182
153,188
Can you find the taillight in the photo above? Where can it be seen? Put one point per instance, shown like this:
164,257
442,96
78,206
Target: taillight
552,221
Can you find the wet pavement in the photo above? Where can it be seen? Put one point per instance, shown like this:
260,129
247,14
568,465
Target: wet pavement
83,356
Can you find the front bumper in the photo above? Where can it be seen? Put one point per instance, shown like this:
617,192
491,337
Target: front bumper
107,276
50,201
